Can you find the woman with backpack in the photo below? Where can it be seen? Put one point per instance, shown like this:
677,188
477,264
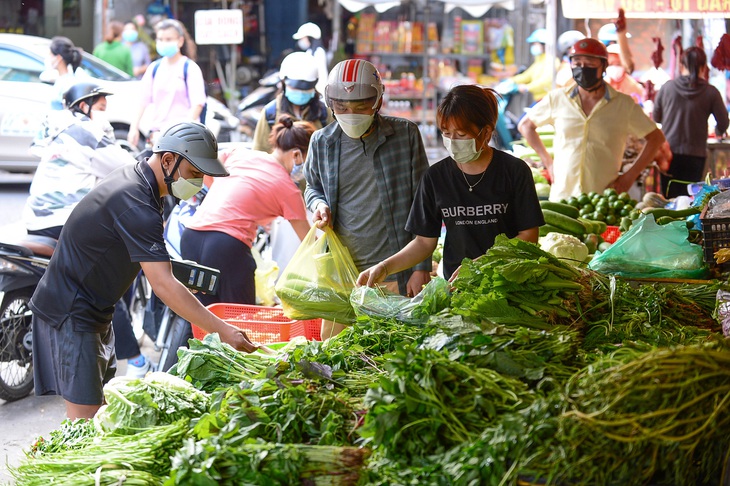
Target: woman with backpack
173,88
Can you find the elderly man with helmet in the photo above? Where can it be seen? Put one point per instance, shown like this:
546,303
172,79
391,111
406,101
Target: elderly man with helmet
115,230
362,173
298,99
592,122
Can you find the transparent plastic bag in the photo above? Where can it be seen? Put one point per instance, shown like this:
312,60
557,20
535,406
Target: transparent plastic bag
653,251
379,302
318,280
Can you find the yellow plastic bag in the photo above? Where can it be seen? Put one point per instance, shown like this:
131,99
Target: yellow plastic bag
265,277
318,280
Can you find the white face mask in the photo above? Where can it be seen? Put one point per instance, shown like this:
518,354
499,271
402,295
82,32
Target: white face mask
615,73
535,50
354,124
184,189
304,43
100,117
462,151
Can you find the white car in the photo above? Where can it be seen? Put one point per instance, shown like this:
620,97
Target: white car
25,97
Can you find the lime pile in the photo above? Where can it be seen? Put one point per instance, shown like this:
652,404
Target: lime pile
609,207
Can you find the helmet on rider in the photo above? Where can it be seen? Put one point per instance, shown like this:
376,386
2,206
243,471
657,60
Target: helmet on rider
299,71
589,47
196,143
538,35
567,39
354,80
84,91
608,35
308,30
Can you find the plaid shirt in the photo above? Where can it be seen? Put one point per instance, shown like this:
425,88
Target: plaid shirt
400,162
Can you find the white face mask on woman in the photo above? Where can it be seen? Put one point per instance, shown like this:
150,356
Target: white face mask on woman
462,151
615,73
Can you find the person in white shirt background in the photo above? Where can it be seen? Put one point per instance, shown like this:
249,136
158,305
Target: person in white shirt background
309,40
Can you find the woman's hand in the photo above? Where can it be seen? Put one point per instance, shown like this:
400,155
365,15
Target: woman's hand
373,275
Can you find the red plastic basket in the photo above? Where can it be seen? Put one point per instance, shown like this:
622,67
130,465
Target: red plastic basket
263,324
611,234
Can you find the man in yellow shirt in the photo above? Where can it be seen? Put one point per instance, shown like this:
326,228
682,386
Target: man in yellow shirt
592,121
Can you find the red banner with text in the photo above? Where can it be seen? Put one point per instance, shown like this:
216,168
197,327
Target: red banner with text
646,9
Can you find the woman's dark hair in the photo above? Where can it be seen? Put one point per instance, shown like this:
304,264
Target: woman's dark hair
189,49
114,30
695,60
470,107
71,55
288,134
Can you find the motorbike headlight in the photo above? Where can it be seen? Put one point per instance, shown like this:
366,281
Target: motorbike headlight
9,266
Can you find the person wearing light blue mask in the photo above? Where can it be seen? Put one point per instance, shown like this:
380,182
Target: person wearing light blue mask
260,190
172,88
140,51
537,79
299,99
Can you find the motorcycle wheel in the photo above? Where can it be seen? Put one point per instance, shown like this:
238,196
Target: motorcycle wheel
177,336
16,362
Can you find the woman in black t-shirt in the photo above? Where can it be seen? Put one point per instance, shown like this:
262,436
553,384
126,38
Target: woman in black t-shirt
477,192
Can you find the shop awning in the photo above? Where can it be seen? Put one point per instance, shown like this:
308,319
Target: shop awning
475,8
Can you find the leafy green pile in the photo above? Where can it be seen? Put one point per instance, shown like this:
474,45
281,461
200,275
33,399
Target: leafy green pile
282,409
142,458
210,363
68,436
427,403
134,404
234,460
634,418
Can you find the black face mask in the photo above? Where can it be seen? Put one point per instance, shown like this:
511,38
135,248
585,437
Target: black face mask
587,77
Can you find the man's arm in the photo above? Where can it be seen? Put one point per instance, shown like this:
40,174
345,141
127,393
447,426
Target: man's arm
422,270
528,129
654,141
176,296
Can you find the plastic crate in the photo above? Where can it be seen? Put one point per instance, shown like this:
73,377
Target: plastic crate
263,324
715,235
611,234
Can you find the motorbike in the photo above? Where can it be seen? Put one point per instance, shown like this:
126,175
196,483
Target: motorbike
22,264
250,108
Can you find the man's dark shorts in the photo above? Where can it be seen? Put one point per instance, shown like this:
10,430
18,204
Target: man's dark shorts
72,363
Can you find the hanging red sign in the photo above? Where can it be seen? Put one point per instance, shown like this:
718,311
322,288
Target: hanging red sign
646,9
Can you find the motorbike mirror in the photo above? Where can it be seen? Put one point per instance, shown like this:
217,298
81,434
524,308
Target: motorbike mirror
270,79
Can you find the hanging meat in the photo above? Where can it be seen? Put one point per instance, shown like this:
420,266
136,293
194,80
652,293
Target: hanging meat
649,91
721,56
656,56
699,42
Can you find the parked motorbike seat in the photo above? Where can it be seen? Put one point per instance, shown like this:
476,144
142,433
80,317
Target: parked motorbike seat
38,245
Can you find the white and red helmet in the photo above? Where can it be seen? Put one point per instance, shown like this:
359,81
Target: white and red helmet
354,79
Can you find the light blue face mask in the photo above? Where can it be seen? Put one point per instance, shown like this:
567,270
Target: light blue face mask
297,173
299,97
167,49
130,36
535,50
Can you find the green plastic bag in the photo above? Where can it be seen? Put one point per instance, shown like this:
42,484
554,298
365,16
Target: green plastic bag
379,302
318,280
650,250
